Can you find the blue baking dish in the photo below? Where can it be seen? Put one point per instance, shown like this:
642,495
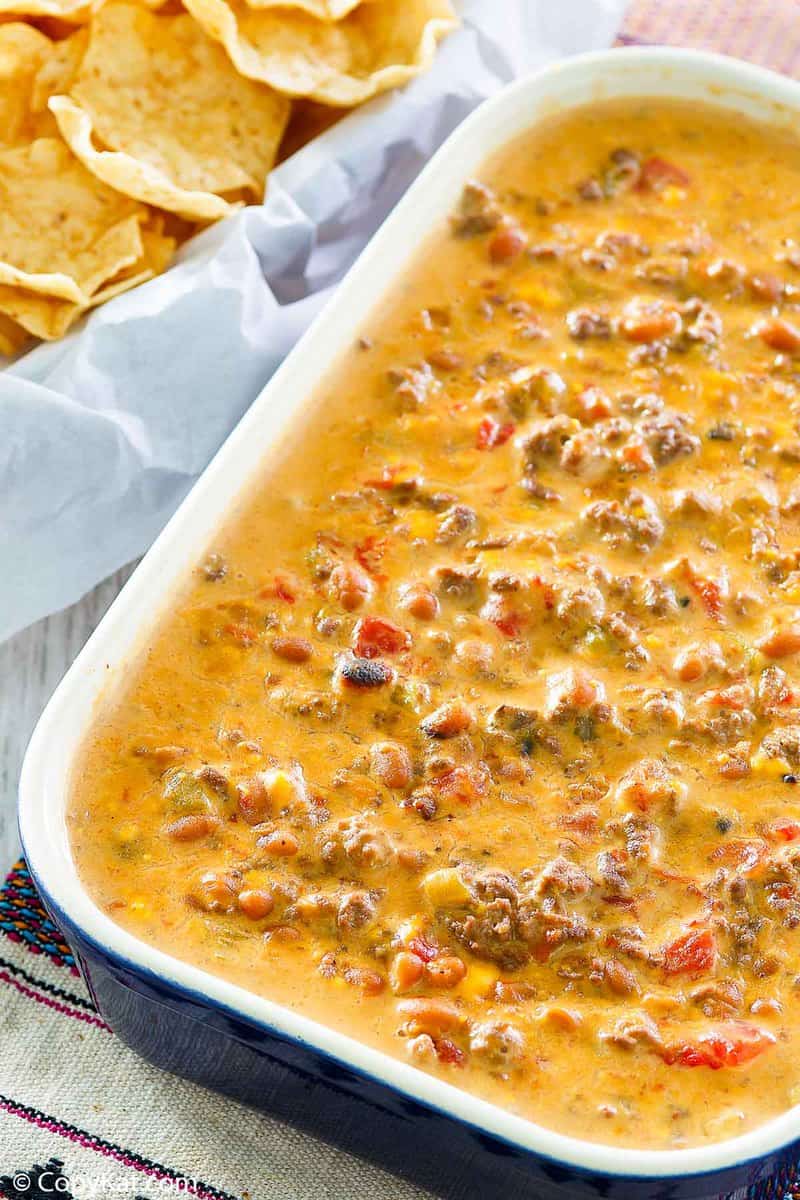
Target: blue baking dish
202,1027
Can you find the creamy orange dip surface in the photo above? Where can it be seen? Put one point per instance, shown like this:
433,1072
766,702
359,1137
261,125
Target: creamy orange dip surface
476,734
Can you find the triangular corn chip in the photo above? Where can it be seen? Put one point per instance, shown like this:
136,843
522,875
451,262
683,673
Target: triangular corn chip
23,52
12,336
42,316
323,10
58,70
379,45
177,127
73,11
62,232
48,317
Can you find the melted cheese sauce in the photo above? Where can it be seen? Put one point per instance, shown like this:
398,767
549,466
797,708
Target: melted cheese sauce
475,735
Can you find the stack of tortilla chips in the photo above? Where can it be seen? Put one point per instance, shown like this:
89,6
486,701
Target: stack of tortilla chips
126,125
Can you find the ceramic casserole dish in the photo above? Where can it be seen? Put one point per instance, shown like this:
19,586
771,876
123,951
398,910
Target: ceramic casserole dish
218,1034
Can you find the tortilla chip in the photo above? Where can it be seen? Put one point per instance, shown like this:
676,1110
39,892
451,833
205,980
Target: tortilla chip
158,250
42,316
73,11
57,71
323,10
49,317
308,120
62,233
379,45
23,51
12,336
178,127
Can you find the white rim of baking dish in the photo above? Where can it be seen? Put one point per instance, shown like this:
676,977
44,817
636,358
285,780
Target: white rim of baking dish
646,72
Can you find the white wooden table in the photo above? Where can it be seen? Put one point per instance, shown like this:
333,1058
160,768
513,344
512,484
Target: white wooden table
31,664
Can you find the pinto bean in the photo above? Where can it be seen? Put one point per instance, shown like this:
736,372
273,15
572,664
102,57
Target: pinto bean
293,649
215,892
281,843
445,360
431,1016
619,979
351,586
449,720
256,903
779,334
420,601
391,764
507,245
781,642
406,971
695,661
650,322
193,827
445,972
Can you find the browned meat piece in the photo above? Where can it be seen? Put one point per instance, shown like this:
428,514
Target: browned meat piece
664,707
490,927
356,910
705,324
783,743
498,1043
560,877
465,584
718,1000
659,598
613,869
585,323
579,608
478,211
456,524
584,455
507,926
667,436
547,439
775,696
413,385
634,521
634,1030
358,841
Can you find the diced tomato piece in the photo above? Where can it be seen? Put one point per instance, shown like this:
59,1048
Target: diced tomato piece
657,174
510,626
693,953
449,1052
784,830
240,633
507,245
736,697
375,636
712,592
465,783
499,612
746,855
729,1045
423,949
370,554
491,433
386,478
281,588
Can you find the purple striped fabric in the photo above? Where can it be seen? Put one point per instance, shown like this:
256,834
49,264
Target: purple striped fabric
766,32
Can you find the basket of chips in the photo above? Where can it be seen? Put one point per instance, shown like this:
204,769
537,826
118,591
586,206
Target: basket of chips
126,127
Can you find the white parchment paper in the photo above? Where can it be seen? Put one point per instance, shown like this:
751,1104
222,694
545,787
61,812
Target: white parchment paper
103,433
